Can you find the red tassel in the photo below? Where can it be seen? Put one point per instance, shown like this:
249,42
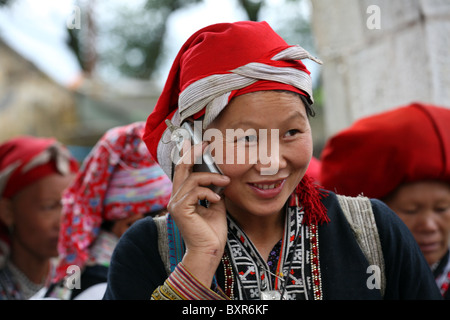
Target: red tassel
309,195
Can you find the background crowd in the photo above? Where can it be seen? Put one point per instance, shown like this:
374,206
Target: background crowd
60,208
54,214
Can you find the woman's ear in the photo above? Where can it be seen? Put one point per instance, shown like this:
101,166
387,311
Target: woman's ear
6,212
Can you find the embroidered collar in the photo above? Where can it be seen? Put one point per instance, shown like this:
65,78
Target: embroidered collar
292,279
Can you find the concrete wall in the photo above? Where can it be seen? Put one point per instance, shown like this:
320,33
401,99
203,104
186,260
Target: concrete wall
375,62
30,102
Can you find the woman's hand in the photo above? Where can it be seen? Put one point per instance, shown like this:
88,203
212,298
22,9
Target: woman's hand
204,230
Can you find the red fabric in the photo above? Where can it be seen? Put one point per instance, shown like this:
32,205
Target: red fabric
264,85
314,169
215,49
309,197
378,153
23,149
88,201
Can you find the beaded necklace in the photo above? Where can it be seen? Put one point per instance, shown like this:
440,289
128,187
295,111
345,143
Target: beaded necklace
297,275
229,276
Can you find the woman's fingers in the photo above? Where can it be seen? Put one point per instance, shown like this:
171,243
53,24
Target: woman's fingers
183,167
204,179
201,227
183,170
195,189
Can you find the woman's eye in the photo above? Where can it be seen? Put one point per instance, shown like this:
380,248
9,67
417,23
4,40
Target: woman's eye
442,209
292,132
251,138
51,206
248,139
409,211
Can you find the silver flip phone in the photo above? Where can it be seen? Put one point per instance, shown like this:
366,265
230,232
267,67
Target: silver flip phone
207,164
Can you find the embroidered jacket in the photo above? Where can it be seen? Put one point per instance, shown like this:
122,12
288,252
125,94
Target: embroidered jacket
137,269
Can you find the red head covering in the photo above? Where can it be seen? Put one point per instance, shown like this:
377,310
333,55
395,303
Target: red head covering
378,153
26,159
118,179
217,63
314,169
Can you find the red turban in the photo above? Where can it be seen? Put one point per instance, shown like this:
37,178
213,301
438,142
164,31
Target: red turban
26,159
216,63
378,153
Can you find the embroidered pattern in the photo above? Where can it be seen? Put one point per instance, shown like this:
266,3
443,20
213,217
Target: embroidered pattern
182,285
293,274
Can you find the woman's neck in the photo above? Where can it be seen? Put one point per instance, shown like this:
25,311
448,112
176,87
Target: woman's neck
34,268
264,232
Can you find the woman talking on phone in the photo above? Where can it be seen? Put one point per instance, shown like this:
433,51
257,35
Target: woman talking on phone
271,233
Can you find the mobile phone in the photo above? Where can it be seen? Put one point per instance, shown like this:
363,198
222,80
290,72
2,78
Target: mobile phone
207,164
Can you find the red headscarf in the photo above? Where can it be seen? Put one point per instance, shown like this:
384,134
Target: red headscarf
26,159
118,179
378,153
217,63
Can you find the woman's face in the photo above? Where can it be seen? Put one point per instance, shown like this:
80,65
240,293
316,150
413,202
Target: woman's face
267,146
425,209
36,214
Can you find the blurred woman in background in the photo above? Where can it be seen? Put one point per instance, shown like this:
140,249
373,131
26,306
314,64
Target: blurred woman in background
33,174
118,184
402,157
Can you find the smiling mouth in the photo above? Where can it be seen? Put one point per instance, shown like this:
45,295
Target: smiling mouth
266,186
429,247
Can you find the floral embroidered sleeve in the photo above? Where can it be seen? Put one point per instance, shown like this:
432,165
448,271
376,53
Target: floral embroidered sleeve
182,285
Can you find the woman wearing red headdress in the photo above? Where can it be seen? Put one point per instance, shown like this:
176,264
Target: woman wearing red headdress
402,157
118,184
33,174
271,233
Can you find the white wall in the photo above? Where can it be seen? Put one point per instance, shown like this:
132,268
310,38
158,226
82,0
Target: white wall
368,70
